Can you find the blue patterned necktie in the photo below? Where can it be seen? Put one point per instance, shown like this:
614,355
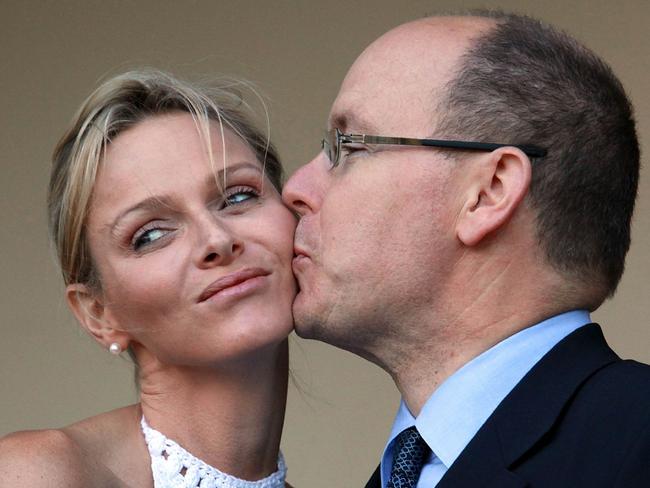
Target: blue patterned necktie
410,453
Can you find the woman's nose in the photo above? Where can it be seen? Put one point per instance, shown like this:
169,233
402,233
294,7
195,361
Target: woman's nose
218,244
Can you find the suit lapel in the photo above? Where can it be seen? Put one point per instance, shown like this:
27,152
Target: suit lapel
482,464
529,411
375,479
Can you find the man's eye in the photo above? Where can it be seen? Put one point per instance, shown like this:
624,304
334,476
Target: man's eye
348,151
237,196
146,237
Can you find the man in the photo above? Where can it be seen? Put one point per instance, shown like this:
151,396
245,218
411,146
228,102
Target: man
468,272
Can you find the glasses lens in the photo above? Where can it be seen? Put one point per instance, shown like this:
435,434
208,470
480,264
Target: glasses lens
326,146
330,146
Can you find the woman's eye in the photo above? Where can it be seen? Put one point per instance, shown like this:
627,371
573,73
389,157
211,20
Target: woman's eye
146,237
237,196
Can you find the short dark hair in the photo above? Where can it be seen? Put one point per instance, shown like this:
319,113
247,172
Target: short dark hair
524,82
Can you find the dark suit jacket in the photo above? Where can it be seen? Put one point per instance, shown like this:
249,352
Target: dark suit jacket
579,418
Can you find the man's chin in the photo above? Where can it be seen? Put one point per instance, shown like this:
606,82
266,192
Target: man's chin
304,315
308,324
313,320
305,325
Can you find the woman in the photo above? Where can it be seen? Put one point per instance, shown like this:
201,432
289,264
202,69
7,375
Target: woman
174,245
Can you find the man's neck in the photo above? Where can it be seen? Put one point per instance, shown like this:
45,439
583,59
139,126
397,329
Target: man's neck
477,313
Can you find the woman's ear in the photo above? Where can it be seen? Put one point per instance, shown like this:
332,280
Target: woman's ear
91,312
499,184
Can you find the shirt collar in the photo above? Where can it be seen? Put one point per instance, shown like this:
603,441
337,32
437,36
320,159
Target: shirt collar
460,406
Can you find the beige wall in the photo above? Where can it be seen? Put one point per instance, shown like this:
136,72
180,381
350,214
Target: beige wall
53,53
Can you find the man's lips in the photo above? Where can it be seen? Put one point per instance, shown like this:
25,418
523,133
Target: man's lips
300,252
300,257
231,280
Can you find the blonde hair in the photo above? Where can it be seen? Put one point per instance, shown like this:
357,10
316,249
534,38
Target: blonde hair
116,105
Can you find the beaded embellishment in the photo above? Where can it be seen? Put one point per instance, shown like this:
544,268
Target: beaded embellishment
174,467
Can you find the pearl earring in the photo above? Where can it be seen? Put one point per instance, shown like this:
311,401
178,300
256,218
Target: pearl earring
115,348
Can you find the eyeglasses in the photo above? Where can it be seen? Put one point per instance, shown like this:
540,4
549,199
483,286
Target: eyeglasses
334,139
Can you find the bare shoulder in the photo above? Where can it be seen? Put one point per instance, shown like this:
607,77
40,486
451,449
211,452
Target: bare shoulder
47,458
101,451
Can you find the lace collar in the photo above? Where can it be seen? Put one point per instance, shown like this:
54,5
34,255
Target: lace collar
174,467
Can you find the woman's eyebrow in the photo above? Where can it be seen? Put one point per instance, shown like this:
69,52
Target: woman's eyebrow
222,174
160,202
152,203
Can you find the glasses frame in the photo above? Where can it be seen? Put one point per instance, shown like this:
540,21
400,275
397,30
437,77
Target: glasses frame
334,139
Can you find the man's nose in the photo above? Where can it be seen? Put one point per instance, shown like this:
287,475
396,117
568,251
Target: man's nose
304,191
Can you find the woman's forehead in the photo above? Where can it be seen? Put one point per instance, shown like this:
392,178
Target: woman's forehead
172,143
166,154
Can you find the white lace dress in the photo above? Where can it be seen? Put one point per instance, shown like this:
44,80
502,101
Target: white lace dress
174,467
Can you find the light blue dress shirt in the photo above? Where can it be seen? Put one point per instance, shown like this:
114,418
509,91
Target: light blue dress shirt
458,408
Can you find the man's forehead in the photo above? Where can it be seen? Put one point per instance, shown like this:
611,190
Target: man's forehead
401,74
378,110
381,108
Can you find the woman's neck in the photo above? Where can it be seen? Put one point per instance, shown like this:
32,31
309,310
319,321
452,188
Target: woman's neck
230,415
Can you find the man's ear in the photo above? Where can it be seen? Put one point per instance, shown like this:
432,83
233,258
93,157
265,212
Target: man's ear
91,312
498,185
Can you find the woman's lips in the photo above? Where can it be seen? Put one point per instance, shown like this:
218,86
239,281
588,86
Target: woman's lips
235,283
